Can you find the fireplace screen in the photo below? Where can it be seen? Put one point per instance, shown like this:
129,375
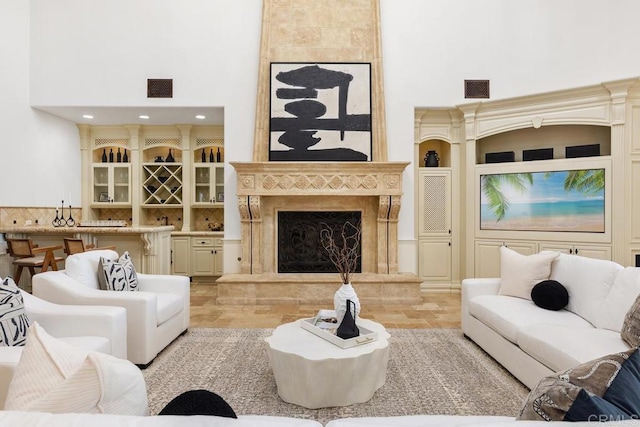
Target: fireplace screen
299,246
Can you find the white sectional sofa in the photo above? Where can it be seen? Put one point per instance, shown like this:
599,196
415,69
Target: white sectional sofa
532,342
35,419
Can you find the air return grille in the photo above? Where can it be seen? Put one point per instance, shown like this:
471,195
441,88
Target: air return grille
476,88
159,88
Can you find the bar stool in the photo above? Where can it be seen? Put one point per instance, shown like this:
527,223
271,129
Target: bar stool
76,246
26,254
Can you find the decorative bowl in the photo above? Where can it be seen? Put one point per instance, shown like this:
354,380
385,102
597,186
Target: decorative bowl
159,159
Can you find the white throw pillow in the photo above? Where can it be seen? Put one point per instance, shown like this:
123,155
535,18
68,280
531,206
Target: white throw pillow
83,266
119,275
53,376
520,273
14,321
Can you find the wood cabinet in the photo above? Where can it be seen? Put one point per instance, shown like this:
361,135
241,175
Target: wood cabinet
197,255
434,226
487,255
180,255
581,249
111,185
162,184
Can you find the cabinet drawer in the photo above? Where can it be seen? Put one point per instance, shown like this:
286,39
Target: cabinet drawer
202,241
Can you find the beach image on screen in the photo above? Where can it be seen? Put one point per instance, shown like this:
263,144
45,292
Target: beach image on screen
571,200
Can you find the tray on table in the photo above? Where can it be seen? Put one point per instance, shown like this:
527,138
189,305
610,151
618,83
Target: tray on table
327,330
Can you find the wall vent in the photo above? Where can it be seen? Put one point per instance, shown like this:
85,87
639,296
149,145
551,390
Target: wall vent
159,88
476,88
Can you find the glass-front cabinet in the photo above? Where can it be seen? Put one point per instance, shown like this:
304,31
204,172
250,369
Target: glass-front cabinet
111,184
208,188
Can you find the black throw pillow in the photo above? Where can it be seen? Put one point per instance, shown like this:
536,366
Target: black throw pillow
198,402
550,294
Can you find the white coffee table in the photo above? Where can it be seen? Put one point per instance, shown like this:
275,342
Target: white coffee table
314,373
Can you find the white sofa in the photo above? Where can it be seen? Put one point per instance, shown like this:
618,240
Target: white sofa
156,314
532,342
88,327
35,419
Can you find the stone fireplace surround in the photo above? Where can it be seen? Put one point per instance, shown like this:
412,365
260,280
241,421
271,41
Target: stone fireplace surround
322,31
264,188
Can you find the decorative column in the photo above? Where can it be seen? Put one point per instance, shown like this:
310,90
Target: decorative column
619,239
384,203
256,234
392,236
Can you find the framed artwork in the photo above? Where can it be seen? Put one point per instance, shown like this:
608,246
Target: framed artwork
320,112
104,197
220,197
557,201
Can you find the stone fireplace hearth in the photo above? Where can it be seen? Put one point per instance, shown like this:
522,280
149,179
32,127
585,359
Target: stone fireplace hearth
326,31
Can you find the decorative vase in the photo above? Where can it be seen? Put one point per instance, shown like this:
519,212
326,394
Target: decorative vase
348,328
344,293
431,160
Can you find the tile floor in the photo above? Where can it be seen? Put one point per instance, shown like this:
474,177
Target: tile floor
436,310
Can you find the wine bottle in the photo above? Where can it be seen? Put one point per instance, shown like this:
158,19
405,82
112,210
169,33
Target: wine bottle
111,155
211,156
104,155
170,158
203,157
125,158
218,155
119,156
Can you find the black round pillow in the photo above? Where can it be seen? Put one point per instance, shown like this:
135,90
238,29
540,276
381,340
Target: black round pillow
198,402
550,294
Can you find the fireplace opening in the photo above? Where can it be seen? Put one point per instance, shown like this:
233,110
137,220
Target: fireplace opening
299,247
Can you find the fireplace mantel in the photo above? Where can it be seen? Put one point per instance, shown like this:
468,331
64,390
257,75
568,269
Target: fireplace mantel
319,178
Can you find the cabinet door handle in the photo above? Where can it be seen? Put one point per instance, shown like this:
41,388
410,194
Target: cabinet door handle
576,251
570,251
449,231
449,243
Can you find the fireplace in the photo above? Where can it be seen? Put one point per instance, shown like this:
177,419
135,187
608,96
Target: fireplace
265,189
300,249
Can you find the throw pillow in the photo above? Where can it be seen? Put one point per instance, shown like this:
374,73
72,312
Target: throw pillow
554,395
519,273
119,275
14,321
198,402
631,326
620,401
550,295
53,376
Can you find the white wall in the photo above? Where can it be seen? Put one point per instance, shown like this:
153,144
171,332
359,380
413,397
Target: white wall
101,52
40,153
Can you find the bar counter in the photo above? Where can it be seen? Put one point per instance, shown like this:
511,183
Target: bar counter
149,246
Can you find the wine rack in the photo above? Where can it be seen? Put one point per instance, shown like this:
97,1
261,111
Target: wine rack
162,184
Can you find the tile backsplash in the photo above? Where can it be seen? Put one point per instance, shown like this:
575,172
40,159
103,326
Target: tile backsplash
20,216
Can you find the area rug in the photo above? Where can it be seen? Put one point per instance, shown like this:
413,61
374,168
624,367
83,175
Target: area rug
430,371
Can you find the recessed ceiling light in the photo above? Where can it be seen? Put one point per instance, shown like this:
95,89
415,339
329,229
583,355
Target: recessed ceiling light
87,116
143,117
200,117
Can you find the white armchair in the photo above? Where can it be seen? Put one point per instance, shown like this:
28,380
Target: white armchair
96,328
156,314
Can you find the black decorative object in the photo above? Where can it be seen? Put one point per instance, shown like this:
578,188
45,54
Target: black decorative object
119,156
501,157
125,158
104,155
218,155
211,156
61,221
431,159
111,155
320,112
170,158
537,154
203,157
348,328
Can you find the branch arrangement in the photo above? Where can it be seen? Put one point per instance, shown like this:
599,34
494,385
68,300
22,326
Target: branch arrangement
343,247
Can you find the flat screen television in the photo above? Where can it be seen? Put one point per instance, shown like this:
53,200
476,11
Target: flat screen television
548,201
